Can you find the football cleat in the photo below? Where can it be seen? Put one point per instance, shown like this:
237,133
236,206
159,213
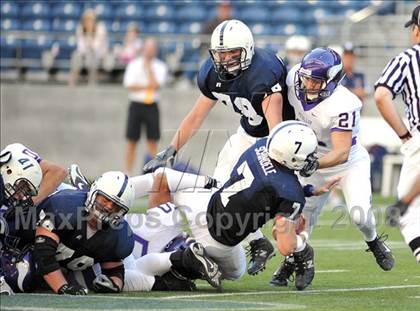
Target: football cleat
173,281
77,179
382,253
305,269
5,289
284,273
261,251
205,266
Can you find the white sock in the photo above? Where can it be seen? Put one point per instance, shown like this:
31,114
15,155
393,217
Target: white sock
176,181
254,236
154,264
137,281
142,184
179,180
369,234
301,248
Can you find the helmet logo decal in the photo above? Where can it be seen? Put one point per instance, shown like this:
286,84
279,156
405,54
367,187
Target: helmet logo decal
305,71
334,70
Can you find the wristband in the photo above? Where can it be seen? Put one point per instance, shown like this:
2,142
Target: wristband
406,135
308,190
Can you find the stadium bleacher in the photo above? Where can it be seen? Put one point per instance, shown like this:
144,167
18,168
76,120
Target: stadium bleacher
36,25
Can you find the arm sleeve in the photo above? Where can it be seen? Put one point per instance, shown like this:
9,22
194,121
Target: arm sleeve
345,121
394,75
202,79
290,209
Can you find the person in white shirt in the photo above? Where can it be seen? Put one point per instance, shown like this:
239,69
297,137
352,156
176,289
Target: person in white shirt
143,78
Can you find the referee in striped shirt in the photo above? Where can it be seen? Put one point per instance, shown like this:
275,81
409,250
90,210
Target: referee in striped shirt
402,75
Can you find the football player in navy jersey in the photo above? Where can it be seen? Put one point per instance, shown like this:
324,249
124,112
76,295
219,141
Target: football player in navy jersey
262,186
77,229
249,80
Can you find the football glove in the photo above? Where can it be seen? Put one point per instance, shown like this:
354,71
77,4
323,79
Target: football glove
163,158
394,212
104,284
67,289
312,164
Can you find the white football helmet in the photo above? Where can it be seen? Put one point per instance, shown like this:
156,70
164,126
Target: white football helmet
230,36
290,143
22,176
116,187
298,43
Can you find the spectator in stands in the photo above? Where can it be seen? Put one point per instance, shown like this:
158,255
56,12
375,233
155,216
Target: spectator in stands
131,46
224,12
143,78
122,54
296,47
92,46
354,81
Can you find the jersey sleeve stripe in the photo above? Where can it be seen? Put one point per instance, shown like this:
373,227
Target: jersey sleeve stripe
337,129
395,76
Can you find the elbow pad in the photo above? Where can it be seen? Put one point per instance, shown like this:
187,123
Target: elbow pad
44,255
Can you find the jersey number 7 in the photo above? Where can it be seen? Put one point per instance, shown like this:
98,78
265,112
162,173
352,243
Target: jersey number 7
243,183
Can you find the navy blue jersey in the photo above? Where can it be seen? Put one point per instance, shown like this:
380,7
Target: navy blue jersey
258,190
65,215
266,75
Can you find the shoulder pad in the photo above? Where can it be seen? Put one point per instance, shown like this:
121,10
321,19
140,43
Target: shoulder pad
342,100
290,80
202,78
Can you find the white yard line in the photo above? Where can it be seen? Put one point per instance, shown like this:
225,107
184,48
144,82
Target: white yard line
338,245
332,271
278,292
255,305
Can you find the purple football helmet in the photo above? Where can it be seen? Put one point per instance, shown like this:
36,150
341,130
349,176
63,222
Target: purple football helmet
182,241
19,270
320,72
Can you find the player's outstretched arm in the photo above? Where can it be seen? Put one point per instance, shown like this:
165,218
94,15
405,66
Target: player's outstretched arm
383,99
52,176
192,122
45,249
341,145
186,130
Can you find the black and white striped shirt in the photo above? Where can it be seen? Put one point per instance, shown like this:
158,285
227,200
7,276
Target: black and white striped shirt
402,75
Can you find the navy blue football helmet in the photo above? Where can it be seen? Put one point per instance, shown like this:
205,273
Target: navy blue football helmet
320,72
